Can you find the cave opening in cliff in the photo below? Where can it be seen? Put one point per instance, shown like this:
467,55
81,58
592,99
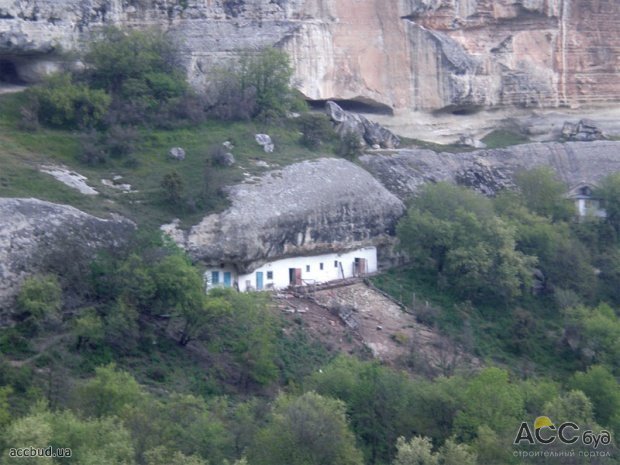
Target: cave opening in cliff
8,72
355,106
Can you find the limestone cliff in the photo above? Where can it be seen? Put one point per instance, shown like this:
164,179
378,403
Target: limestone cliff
491,170
455,55
33,232
308,208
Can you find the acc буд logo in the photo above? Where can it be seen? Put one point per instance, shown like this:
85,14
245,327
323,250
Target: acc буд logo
545,432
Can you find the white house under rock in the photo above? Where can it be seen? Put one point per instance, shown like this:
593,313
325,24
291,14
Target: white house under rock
295,271
587,204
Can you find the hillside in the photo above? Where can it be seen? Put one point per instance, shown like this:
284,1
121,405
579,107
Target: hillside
494,303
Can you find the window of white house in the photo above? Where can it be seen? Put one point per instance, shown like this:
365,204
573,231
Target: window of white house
307,268
321,266
270,275
335,263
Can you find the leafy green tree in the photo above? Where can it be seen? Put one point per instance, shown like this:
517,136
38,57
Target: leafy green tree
88,329
543,194
108,392
377,400
609,192
92,441
492,400
172,185
249,332
33,430
455,233
307,430
572,406
40,297
5,414
562,257
452,453
163,456
417,451
64,104
258,85
594,334
135,65
599,384
316,130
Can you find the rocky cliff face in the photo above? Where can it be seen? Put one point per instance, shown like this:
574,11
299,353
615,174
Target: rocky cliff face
453,55
491,170
32,232
307,208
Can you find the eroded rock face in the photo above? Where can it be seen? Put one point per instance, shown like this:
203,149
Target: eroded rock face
452,55
369,132
492,170
308,208
33,231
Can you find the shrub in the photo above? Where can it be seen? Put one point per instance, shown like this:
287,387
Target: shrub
316,130
139,70
349,146
40,297
172,184
64,104
257,85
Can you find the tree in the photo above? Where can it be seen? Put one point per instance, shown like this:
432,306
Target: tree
109,392
88,329
609,192
249,333
316,130
594,333
455,233
562,257
417,451
490,400
543,194
599,384
307,430
452,453
64,104
172,185
378,402
257,85
40,297
135,65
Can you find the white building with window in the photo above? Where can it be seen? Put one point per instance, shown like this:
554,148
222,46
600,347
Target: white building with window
587,204
295,271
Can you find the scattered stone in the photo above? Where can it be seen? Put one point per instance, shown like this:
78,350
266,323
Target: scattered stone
585,130
471,141
262,164
265,141
177,153
115,184
69,178
225,159
369,132
228,145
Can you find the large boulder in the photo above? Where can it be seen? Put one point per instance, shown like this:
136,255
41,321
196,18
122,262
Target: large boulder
313,207
36,235
492,170
368,131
